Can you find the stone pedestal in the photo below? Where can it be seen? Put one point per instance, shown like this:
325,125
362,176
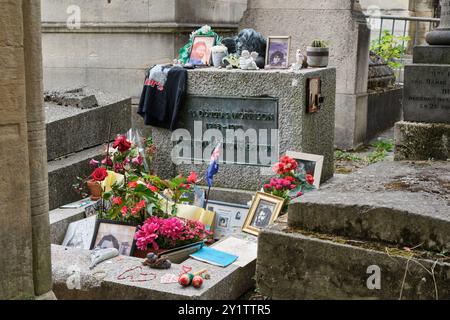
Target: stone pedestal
441,36
343,26
425,133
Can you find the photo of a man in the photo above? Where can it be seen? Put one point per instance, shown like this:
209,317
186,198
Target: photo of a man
201,51
263,215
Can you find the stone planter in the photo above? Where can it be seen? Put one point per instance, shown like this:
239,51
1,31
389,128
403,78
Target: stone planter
318,57
95,190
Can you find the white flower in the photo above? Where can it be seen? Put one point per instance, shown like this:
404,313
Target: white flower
206,29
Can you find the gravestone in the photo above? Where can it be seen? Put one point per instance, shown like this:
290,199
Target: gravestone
341,24
424,134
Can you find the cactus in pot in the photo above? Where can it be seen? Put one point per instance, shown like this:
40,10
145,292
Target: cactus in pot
318,54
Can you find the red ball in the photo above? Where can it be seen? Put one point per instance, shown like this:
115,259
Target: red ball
197,282
185,280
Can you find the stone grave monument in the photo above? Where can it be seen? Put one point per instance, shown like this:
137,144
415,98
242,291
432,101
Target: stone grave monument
424,134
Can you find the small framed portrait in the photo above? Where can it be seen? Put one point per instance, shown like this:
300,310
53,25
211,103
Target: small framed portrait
80,233
311,163
229,218
314,95
264,211
111,234
201,51
277,55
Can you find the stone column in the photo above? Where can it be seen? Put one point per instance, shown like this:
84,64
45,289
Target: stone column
441,36
24,228
42,271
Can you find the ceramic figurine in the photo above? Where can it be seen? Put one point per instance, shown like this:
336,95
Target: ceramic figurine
100,255
300,61
157,263
248,60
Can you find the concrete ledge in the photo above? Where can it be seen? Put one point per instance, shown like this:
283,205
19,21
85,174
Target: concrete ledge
392,202
102,284
422,141
431,54
63,173
294,266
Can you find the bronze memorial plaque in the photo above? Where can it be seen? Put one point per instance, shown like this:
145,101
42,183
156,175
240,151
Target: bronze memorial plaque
246,125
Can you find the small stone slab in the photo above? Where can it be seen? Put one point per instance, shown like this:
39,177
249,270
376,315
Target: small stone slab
403,203
432,54
427,93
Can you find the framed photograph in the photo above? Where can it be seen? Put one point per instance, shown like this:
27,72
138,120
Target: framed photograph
111,234
314,94
264,211
79,234
201,51
311,163
229,218
277,55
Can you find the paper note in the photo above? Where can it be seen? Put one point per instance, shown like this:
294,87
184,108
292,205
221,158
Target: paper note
246,250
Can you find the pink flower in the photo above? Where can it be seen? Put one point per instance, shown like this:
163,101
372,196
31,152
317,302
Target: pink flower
94,163
107,162
118,167
124,211
138,161
117,201
192,179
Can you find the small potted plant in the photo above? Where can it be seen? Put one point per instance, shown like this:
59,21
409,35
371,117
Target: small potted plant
318,54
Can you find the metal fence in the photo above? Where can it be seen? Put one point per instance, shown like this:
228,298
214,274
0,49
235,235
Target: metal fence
413,27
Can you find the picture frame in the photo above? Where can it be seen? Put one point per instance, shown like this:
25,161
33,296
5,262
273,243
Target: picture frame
201,51
113,234
314,95
264,211
313,164
80,233
229,218
277,52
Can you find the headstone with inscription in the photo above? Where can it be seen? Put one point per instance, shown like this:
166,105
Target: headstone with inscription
424,133
257,115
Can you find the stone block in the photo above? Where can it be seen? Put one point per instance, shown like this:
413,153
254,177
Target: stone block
427,93
71,129
317,266
422,141
431,55
102,282
298,131
63,173
401,203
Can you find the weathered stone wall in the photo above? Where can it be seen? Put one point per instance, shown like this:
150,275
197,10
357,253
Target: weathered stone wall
117,41
343,26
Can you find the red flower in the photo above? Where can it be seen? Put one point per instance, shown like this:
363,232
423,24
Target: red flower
310,179
124,211
122,144
107,162
117,201
152,188
133,184
192,179
99,174
299,194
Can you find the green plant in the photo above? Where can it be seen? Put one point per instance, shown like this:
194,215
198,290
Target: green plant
346,156
384,145
319,44
390,48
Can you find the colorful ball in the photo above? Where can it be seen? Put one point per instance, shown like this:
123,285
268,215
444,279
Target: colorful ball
197,282
186,279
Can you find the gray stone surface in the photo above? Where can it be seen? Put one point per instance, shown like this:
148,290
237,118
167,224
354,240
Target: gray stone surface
309,133
102,282
427,93
63,173
295,266
381,74
422,141
432,54
384,110
404,203
305,21
441,36
71,129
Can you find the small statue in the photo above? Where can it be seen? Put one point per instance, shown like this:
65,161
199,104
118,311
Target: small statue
300,61
99,255
157,263
248,60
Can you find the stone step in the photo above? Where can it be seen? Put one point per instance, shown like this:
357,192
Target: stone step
63,173
403,203
71,129
292,265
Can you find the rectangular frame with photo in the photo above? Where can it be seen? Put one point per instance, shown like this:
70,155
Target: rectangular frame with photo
230,218
265,209
123,240
200,54
277,52
310,160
